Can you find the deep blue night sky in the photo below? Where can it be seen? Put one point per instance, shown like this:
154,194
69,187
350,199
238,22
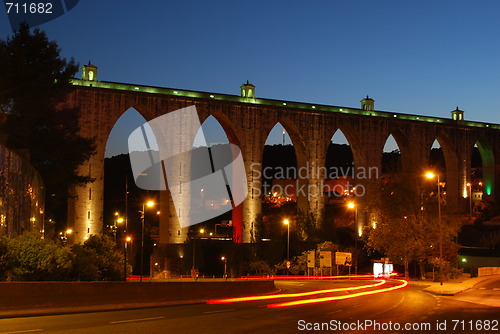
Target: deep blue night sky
418,57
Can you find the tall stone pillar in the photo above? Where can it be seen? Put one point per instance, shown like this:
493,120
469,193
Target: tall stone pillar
86,203
252,206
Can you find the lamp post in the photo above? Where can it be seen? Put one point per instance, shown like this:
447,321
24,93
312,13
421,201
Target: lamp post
114,227
148,204
127,240
287,223
352,205
431,175
193,270
225,266
469,184
65,235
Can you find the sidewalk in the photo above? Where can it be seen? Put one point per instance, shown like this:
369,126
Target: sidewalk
452,287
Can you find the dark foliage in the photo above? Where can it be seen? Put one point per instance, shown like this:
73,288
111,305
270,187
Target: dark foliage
33,82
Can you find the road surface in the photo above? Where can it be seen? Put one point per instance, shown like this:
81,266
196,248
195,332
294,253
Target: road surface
421,311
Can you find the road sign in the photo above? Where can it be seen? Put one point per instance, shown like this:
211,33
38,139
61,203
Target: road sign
344,259
325,259
311,259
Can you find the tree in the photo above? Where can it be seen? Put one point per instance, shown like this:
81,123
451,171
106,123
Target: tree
5,264
405,233
34,80
97,260
32,258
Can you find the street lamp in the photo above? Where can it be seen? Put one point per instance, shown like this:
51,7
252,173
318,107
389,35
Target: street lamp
193,272
65,235
469,184
431,175
127,240
114,227
225,266
149,204
287,223
352,205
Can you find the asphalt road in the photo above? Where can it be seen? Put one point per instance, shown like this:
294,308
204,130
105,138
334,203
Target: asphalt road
411,306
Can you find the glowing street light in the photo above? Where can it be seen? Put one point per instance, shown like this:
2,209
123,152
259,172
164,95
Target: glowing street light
193,270
357,231
431,175
148,204
287,223
65,235
125,246
223,258
469,184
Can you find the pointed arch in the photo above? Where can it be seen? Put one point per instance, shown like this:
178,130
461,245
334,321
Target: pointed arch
218,130
296,138
391,160
117,142
451,172
488,165
228,127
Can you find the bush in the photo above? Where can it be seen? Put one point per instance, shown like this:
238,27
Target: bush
97,260
28,257
4,258
31,258
259,268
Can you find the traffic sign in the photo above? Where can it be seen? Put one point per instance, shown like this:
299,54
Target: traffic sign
343,259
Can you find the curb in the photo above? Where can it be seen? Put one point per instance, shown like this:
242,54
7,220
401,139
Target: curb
93,308
459,287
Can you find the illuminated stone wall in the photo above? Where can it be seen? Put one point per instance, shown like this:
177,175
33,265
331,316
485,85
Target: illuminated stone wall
21,195
247,123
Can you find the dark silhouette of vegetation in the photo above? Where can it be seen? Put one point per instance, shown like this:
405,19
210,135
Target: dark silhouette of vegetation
405,233
33,82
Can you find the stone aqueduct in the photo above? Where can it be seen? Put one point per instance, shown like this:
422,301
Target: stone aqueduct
248,121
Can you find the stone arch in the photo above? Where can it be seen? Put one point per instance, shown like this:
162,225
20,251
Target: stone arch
353,140
300,152
297,139
488,162
393,171
452,170
228,126
231,134
85,204
403,145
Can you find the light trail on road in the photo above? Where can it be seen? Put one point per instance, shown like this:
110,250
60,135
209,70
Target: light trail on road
295,277
292,295
326,299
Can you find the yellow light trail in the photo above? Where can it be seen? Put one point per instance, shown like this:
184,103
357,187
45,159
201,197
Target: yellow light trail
292,295
326,299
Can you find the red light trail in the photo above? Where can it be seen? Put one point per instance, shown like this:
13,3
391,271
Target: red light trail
292,295
326,299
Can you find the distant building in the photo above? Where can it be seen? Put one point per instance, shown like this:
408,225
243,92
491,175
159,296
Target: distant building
22,195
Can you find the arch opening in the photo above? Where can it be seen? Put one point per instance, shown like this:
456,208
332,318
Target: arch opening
340,189
123,200
281,162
